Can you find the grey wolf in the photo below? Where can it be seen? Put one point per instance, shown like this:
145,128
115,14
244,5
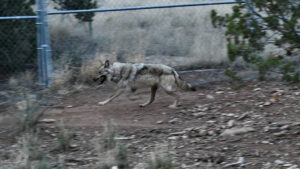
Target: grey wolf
132,76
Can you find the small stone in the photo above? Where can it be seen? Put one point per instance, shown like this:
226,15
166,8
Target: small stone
281,133
297,93
257,89
293,167
178,133
236,131
211,133
69,106
173,138
211,97
73,145
219,92
114,167
265,142
140,166
243,116
279,162
159,122
267,103
199,114
203,132
174,121
285,127
21,105
230,123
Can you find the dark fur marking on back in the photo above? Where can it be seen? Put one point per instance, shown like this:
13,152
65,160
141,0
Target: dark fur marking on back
151,70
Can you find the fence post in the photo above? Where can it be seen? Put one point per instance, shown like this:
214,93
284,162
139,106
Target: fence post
44,47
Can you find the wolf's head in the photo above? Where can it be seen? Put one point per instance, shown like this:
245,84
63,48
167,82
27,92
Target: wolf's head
104,73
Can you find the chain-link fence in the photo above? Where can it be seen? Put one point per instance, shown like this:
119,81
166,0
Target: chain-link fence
17,38
179,37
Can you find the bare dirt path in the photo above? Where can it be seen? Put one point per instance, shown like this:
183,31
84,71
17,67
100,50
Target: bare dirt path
256,126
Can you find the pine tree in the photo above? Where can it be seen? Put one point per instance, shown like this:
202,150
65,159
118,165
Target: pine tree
17,37
76,5
257,23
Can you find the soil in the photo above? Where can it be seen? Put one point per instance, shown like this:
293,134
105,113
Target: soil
265,114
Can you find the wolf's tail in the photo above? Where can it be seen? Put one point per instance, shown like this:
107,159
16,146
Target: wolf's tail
183,84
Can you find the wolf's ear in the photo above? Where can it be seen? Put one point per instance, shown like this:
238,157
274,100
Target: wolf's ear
106,64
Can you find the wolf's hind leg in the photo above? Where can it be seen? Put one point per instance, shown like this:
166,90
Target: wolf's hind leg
152,97
118,93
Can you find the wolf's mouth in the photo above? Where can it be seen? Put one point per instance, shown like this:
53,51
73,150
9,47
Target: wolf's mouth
100,79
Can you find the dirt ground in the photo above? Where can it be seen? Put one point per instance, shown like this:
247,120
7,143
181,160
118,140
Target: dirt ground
218,126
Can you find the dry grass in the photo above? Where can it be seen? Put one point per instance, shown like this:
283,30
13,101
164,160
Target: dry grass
160,158
137,35
64,137
110,152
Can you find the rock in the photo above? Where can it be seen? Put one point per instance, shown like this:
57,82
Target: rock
243,116
293,167
159,122
219,92
114,167
279,162
212,133
199,114
240,161
174,121
202,109
211,121
211,97
230,123
69,106
267,103
173,138
125,138
271,129
257,89
202,132
140,166
285,127
178,133
21,105
73,145
297,93
281,133
236,131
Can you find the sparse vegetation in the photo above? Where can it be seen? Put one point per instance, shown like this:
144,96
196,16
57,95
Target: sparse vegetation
64,137
138,38
110,152
257,25
160,160
26,101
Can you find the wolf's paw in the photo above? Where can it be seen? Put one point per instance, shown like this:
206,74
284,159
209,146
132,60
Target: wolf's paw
102,103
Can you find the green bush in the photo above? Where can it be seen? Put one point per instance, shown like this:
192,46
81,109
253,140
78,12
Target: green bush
258,23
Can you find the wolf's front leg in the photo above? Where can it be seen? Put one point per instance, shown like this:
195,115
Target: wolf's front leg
118,93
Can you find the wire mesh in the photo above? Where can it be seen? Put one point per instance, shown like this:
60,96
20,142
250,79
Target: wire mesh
17,38
179,37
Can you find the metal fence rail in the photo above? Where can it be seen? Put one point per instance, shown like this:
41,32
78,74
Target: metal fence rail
43,42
